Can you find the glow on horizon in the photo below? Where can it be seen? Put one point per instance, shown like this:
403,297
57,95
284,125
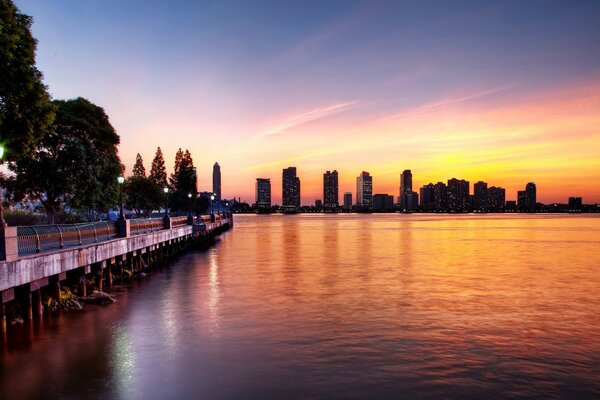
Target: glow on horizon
341,87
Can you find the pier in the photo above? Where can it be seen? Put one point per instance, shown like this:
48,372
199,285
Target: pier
36,260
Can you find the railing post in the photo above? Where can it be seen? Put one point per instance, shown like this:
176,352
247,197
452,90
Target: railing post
79,235
62,241
124,228
9,245
38,245
168,224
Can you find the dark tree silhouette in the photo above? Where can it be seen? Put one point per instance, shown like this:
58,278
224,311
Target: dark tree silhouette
138,167
158,172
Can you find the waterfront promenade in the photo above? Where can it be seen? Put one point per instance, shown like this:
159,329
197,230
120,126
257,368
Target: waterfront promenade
36,260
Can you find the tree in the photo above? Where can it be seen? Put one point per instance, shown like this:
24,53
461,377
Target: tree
184,182
76,163
138,167
176,168
25,108
158,173
143,194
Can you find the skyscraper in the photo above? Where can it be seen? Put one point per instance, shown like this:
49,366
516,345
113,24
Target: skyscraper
217,181
364,190
405,188
348,201
428,197
383,202
440,197
531,196
330,190
522,201
458,195
480,199
496,199
291,191
263,195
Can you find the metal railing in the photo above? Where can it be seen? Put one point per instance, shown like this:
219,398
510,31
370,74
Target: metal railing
145,225
177,222
38,238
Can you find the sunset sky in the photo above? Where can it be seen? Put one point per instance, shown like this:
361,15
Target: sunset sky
505,92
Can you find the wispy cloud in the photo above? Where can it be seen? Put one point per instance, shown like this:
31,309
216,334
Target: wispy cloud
445,103
306,117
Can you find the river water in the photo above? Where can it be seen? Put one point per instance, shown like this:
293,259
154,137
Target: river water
339,306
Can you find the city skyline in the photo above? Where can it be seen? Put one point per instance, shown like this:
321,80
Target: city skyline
470,90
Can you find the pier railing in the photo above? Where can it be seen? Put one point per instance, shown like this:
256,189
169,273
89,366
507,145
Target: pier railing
42,238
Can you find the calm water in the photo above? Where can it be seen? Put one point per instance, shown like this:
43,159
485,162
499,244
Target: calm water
340,306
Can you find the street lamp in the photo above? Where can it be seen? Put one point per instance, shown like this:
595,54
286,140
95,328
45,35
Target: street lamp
190,204
212,197
121,180
166,190
2,222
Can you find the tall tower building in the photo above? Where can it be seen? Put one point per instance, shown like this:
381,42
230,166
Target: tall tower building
263,195
496,199
405,188
458,195
348,201
440,197
531,194
217,181
330,190
364,190
480,197
291,191
428,197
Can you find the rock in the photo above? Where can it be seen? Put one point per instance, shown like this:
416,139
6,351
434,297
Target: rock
100,298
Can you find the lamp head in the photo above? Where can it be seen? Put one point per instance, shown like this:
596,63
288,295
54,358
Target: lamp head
121,179
189,195
166,189
1,151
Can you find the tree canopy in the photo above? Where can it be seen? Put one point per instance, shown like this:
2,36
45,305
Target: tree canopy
25,108
138,167
158,172
76,163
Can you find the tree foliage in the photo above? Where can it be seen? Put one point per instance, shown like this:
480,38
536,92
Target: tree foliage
183,181
25,108
158,172
138,167
75,164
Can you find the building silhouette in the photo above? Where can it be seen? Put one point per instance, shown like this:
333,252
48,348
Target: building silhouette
496,199
364,190
428,197
440,197
531,193
458,195
290,191
217,181
383,202
405,188
263,195
480,197
348,201
522,201
575,204
330,190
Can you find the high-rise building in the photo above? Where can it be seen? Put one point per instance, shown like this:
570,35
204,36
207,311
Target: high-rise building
383,202
412,201
522,201
480,197
318,204
348,201
575,204
531,196
217,181
290,191
330,190
263,195
496,199
405,187
428,197
364,190
440,197
458,195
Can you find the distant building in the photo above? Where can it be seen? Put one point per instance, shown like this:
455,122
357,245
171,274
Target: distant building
428,197
531,196
412,201
575,204
217,181
496,199
510,206
480,197
440,197
405,188
348,201
364,190
263,194
383,202
318,204
290,191
330,190
458,195
522,201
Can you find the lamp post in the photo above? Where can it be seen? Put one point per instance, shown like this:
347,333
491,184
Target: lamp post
121,180
190,204
2,222
166,190
212,198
